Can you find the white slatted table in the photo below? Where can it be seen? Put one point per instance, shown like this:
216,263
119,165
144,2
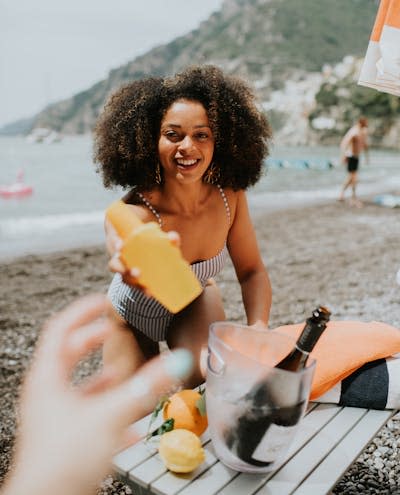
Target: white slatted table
329,440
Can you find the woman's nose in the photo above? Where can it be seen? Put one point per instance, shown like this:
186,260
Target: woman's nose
186,144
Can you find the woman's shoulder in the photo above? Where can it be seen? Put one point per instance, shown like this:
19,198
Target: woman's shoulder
131,197
233,196
139,204
138,197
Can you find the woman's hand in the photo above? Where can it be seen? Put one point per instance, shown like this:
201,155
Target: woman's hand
114,245
69,433
259,325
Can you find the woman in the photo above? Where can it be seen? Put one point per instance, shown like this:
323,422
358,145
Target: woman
189,146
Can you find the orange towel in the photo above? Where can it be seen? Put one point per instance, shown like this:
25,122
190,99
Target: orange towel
344,347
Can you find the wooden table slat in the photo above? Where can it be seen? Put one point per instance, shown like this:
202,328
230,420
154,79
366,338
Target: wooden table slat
152,467
291,475
170,483
326,475
142,425
210,481
310,426
126,460
148,471
330,438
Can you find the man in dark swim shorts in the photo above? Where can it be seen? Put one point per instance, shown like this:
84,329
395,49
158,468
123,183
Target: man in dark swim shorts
352,163
353,143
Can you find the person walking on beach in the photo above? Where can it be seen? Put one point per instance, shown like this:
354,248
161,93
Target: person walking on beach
353,143
187,147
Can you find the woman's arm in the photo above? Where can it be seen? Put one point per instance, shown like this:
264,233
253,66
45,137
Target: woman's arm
250,270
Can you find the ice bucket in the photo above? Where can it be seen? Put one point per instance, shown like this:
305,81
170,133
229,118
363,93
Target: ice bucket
253,408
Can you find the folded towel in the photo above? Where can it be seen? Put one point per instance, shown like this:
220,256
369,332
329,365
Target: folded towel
347,346
357,363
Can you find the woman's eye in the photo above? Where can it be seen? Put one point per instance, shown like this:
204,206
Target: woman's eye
173,136
202,136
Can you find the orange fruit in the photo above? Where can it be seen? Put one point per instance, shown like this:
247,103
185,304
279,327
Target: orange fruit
182,407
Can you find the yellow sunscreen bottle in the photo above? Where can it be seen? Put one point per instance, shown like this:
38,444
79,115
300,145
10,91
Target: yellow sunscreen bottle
163,270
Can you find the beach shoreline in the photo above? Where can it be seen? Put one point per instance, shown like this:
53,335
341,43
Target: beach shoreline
331,254
90,234
66,211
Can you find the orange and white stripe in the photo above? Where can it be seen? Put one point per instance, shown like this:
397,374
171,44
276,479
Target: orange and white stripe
381,68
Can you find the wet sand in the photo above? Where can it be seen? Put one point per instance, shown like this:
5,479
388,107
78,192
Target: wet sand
342,257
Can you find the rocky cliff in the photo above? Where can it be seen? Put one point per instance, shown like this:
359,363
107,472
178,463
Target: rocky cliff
283,47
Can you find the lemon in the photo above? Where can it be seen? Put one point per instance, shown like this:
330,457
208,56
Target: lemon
181,450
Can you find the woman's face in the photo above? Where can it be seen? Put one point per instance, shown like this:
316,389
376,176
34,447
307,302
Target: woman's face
186,143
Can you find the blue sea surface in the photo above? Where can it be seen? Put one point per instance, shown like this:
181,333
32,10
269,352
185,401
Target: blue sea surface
67,206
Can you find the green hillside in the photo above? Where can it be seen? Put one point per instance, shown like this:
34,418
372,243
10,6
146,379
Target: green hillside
263,40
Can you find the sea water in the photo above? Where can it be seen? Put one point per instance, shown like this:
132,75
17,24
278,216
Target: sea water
67,206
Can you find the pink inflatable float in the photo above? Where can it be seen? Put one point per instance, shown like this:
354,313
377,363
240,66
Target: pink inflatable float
17,189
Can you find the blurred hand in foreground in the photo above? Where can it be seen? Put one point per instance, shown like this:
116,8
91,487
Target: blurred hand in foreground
68,434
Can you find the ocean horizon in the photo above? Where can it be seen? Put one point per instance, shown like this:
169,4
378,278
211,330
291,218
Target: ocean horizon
66,208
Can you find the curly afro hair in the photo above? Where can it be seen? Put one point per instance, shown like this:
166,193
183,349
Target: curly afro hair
127,132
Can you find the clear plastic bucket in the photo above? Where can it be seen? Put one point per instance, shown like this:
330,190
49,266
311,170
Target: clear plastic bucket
253,408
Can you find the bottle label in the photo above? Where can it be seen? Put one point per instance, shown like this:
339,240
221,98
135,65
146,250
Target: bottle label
274,441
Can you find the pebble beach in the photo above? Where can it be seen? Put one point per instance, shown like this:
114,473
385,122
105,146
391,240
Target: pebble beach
332,254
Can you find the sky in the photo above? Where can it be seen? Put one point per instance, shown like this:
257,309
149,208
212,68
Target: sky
52,49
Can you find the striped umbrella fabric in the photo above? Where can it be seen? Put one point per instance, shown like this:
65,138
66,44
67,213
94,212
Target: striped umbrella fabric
381,67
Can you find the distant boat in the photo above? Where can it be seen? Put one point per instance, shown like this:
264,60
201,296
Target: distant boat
17,189
43,135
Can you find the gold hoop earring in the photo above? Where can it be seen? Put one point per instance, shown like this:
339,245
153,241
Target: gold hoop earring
212,174
158,177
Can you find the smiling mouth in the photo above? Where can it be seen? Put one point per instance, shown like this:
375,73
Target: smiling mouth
184,164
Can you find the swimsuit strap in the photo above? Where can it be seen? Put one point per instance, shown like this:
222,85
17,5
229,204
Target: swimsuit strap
157,215
151,208
226,204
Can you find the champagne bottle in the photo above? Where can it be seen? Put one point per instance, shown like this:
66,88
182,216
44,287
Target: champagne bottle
312,331
275,403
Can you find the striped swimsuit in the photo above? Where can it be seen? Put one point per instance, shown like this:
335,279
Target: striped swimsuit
146,313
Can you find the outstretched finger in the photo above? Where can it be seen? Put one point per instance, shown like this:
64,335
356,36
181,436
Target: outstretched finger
50,351
85,339
136,397
115,264
101,382
113,241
